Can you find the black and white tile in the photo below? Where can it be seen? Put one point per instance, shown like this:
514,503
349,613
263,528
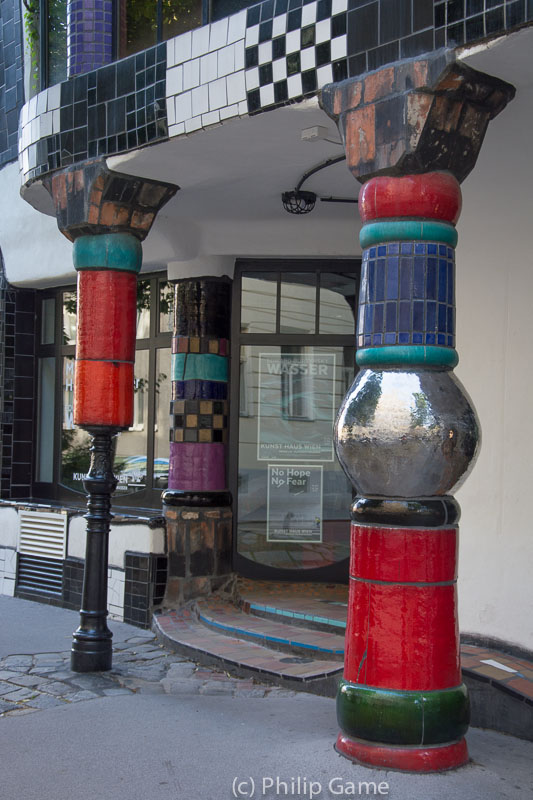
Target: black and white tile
290,54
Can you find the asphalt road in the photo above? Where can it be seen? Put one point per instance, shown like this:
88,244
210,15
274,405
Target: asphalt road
169,730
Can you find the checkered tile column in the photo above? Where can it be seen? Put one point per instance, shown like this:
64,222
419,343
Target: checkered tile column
199,405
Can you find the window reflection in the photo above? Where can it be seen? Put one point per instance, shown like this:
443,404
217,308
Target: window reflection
166,307
298,302
293,393
259,296
57,41
69,317
338,303
130,454
161,423
143,309
75,443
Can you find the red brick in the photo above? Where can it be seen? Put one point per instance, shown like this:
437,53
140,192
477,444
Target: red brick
379,84
360,135
420,70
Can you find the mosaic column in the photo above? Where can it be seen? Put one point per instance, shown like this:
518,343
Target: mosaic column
89,35
199,408
407,434
197,499
106,215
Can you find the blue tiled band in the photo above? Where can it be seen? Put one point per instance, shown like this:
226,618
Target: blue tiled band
407,295
199,390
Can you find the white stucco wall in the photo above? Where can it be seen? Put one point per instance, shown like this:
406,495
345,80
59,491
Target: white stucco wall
33,249
133,538
494,335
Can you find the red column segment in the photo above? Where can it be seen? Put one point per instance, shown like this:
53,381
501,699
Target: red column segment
402,628
105,348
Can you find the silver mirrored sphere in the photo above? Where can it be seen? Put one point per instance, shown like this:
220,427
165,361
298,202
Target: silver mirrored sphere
406,434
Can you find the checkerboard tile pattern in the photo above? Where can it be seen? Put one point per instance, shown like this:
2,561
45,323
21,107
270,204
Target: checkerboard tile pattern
200,344
198,421
292,49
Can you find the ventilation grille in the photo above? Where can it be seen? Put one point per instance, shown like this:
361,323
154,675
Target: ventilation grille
41,576
42,535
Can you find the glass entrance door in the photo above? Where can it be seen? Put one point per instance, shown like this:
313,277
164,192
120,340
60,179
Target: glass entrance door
292,498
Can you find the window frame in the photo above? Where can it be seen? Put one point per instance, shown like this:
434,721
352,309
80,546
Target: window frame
149,497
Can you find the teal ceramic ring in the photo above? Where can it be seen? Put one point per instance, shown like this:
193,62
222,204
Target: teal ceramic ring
407,355
407,230
121,251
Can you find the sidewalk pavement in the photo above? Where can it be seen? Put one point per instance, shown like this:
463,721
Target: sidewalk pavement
158,727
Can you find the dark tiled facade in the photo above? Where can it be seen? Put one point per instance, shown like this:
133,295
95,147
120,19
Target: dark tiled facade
11,78
72,582
17,350
118,107
146,577
378,32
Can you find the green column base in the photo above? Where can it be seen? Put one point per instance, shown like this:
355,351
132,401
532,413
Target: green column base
403,718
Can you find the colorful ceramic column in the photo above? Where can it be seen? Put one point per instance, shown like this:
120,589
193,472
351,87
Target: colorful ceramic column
107,266
107,215
407,434
199,405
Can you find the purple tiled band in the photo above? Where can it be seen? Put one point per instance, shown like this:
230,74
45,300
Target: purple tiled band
197,466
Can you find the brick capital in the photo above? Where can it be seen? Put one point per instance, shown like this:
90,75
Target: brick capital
415,116
91,199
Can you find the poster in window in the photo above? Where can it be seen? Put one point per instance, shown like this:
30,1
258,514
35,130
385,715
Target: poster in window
296,407
294,503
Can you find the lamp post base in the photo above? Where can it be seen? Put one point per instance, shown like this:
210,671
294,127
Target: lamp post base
91,653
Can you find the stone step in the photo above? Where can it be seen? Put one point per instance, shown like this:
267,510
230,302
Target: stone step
321,607
272,632
183,633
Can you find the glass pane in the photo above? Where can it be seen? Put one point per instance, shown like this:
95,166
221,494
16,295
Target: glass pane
338,303
293,497
166,307
161,424
138,26
180,16
130,457
45,420
258,301
143,309
57,41
75,443
69,317
48,316
298,302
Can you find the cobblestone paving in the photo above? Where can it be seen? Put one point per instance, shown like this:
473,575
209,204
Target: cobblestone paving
30,683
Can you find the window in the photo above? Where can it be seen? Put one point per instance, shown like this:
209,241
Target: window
142,452
293,361
52,23
143,23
